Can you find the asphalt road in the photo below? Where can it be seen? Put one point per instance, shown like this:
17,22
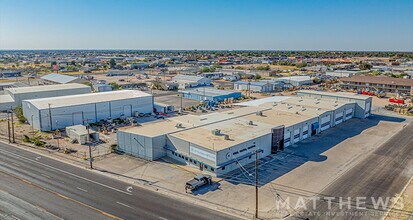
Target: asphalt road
36,187
383,174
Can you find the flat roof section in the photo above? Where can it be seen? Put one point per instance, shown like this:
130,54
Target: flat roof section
336,94
72,100
45,88
238,130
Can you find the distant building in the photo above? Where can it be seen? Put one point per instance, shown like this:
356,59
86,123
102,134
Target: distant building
378,83
253,86
10,73
294,81
210,94
189,81
101,87
341,73
55,78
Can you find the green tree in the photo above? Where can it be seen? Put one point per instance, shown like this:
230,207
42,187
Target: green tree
365,66
53,63
112,63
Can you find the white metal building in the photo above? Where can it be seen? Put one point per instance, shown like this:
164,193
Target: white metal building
14,96
219,142
60,112
56,78
188,81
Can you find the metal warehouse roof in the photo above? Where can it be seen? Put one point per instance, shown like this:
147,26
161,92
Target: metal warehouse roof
260,83
258,102
71,100
45,88
336,94
6,99
210,91
294,78
187,78
59,78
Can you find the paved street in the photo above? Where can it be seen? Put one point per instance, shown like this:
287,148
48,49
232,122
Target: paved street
383,174
36,187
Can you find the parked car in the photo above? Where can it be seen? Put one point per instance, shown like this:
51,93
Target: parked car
197,182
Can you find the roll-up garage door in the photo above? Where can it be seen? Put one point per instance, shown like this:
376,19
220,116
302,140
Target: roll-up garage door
287,138
325,122
349,113
296,135
305,131
339,117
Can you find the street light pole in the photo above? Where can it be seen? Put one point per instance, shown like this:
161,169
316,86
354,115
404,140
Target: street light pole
90,148
256,184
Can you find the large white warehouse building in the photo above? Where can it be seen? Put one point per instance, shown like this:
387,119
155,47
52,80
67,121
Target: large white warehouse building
14,96
219,142
59,112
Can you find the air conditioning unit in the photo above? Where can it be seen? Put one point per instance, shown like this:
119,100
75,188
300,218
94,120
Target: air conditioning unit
250,123
216,132
226,137
259,113
178,125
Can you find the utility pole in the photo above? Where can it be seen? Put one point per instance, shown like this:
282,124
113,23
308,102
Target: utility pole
88,142
32,127
8,126
50,118
181,110
256,184
12,124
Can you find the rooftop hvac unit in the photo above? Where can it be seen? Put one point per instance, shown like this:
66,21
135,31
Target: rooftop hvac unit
216,132
259,113
178,125
226,137
303,109
250,123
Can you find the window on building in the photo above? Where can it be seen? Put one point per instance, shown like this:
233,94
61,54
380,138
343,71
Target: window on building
249,157
236,152
251,147
190,160
243,150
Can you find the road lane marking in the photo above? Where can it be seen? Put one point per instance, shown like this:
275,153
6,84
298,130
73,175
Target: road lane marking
66,172
162,218
60,195
84,190
124,205
45,175
129,188
37,158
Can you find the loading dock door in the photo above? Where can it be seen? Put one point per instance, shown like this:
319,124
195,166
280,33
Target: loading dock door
339,117
296,135
127,110
287,139
314,128
77,118
349,114
277,139
305,132
325,123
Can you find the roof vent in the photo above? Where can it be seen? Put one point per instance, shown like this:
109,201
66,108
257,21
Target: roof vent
226,137
216,132
178,125
259,113
250,123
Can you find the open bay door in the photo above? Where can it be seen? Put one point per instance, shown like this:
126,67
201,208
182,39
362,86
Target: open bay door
277,142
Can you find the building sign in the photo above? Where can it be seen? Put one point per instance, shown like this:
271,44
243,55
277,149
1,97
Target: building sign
202,153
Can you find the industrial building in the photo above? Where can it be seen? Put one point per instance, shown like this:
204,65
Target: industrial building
294,81
14,96
81,134
378,83
363,103
263,86
189,81
221,142
55,78
60,112
210,94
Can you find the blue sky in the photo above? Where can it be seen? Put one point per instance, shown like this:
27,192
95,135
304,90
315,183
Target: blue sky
207,24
